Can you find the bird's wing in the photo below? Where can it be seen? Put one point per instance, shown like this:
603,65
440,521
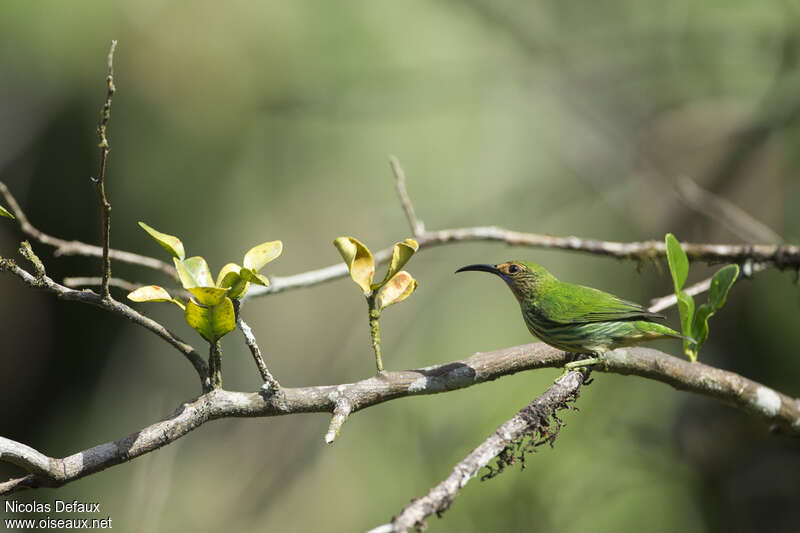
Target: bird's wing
576,304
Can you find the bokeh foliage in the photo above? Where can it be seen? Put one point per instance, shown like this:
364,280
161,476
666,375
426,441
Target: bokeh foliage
277,117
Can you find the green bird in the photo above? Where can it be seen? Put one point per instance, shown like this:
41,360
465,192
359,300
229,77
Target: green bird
575,318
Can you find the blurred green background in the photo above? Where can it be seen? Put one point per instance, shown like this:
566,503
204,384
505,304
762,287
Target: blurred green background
242,122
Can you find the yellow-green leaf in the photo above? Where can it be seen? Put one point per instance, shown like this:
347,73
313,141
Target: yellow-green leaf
209,295
5,213
397,289
211,322
260,255
359,261
193,272
170,243
153,293
253,276
150,293
401,253
228,275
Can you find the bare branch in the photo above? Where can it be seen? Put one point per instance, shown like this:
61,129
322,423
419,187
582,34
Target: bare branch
92,298
24,456
64,247
100,182
417,227
533,421
271,384
90,281
780,256
341,412
733,217
659,304
764,402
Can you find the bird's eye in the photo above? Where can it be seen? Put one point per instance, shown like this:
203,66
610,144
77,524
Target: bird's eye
513,269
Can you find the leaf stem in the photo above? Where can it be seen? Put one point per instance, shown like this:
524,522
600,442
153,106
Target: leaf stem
375,328
215,365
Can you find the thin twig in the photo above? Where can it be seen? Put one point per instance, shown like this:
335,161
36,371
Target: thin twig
659,304
128,286
730,215
64,247
780,256
100,181
417,227
93,281
534,422
270,383
92,298
341,412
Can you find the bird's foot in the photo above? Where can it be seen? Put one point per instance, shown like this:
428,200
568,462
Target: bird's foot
584,362
581,363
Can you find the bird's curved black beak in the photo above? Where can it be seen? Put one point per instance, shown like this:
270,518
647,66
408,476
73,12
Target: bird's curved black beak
480,268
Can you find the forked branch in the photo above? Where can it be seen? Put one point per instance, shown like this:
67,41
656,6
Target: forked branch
764,402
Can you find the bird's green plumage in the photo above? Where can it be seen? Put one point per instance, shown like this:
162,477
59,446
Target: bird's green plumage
572,317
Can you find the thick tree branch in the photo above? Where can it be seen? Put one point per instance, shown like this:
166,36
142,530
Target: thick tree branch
764,402
64,247
24,456
533,421
92,298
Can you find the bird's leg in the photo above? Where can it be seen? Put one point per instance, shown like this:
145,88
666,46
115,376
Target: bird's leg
589,361
581,363
584,362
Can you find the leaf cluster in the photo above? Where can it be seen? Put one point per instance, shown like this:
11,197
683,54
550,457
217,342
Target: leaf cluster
210,312
695,324
397,284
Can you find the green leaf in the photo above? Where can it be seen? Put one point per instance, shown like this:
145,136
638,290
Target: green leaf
5,213
170,243
193,272
211,322
260,255
397,289
678,262
401,253
721,283
153,293
230,278
228,275
251,275
700,326
359,261
238,289
209,295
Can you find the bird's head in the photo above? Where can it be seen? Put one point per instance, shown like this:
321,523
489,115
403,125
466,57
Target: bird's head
523,278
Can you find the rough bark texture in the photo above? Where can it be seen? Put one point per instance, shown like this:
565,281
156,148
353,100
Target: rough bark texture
770,405
537,421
